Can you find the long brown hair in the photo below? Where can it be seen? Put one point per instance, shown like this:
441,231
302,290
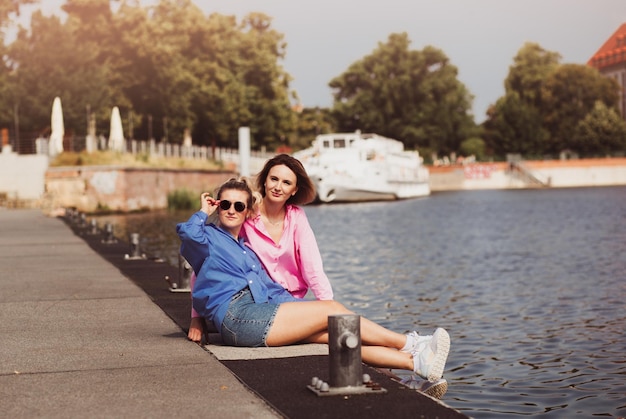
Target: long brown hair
306,189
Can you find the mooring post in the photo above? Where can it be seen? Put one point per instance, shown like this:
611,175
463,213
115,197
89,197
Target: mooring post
135,248
184,273
184,276
94,226
344,346
344,361
108,234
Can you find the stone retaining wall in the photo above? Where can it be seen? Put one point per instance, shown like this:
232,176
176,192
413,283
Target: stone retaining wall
122,189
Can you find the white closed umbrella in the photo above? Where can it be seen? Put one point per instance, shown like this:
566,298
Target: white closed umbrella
116,134
187,138
55,145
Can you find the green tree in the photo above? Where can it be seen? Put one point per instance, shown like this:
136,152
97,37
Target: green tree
260,88
153,68
312,122
601,132
11,7
92,25
514,126
569,94
168,65
51,61
410,95
209,74
473,147
515,123
544,102
531,66
8,9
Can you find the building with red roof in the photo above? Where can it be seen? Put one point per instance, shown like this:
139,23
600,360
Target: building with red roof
610,60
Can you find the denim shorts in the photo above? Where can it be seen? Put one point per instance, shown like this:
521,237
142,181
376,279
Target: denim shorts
247,323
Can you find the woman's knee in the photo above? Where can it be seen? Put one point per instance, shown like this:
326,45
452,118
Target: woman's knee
335,307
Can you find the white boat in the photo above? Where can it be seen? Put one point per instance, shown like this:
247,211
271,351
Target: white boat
348,167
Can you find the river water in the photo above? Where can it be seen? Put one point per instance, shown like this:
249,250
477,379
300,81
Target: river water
531,285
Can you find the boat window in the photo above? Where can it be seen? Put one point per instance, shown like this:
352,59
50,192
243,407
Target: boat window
340,143
326,144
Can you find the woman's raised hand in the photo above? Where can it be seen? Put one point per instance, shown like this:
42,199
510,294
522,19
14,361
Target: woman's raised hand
209,204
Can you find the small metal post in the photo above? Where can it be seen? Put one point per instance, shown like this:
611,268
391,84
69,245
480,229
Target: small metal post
344,346
73,214
184,276
94,226
345,366
108,234
135,248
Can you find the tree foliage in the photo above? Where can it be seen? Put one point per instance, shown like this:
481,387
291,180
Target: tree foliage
601,132
311,122
515,123
410,95
544,102
8,8
11,7
570,93
168,67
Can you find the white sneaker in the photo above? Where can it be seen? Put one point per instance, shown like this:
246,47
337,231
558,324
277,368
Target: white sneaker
429,359
414,341
434,389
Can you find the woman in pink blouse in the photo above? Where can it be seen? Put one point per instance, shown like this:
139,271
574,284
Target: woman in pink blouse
280,234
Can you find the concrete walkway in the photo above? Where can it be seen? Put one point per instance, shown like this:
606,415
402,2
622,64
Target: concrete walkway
78,339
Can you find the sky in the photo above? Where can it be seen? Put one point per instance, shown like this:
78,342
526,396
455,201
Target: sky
480,37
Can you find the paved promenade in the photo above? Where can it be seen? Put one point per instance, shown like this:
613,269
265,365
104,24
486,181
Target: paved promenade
86,333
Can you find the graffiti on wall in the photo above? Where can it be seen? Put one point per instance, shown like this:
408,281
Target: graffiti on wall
479,171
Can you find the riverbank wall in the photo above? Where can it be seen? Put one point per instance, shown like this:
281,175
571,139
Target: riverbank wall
27,181
121,189
529,174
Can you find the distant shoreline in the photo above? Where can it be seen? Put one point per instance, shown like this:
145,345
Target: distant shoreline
529,174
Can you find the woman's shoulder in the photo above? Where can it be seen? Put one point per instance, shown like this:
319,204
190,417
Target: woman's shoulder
253,219
295,210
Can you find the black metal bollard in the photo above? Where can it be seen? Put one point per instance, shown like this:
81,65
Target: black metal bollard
135,248
184,276
108,234
344,346
94,227
344,362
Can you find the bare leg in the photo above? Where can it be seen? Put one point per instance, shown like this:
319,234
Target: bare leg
308,322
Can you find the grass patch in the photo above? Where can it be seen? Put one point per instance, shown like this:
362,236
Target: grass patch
182,199
142,160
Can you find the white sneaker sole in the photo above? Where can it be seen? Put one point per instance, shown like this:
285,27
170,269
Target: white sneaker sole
442,340
437,389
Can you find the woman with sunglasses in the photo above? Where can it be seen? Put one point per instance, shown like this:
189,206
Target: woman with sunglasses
280,234
234,292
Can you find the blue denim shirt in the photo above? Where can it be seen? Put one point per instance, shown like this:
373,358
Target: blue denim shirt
224,266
